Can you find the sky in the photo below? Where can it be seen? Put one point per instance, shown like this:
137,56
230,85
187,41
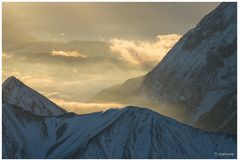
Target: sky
100,21
70,51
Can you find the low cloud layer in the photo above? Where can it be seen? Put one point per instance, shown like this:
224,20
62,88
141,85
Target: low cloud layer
72,73
82,108
67,53
143,53
5,56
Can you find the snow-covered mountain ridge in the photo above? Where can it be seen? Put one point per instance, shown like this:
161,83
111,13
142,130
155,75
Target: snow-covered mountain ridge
118,133
197,78
131,132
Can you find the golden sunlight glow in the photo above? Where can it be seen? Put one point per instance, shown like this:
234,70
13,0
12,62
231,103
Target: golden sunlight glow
81,108
5,56
140,53
67,53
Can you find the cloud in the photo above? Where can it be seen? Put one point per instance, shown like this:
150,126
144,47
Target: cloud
4,55
67,53
50,94
76,79
143,53
81,108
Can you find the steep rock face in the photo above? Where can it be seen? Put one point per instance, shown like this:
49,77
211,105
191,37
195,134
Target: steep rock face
200,72
17,93
130,132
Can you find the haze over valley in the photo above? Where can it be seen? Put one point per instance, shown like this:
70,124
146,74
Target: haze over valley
59,61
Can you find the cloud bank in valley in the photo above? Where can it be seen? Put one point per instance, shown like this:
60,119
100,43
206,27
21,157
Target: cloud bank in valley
70,64
81,108
143,53
72,73
5,56
67,53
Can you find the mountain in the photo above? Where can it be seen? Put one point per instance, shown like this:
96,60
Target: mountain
12,36
17,93
121,93
198,77
130,132
200,72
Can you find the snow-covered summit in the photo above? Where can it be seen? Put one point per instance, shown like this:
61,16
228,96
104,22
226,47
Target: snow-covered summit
131,132
17,93
11,81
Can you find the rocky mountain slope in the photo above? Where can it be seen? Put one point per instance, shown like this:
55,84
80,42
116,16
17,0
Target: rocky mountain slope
198,77
130,132
17,93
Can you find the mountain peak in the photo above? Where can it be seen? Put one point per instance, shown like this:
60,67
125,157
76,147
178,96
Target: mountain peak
137,109
17,93
11,81
12,78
